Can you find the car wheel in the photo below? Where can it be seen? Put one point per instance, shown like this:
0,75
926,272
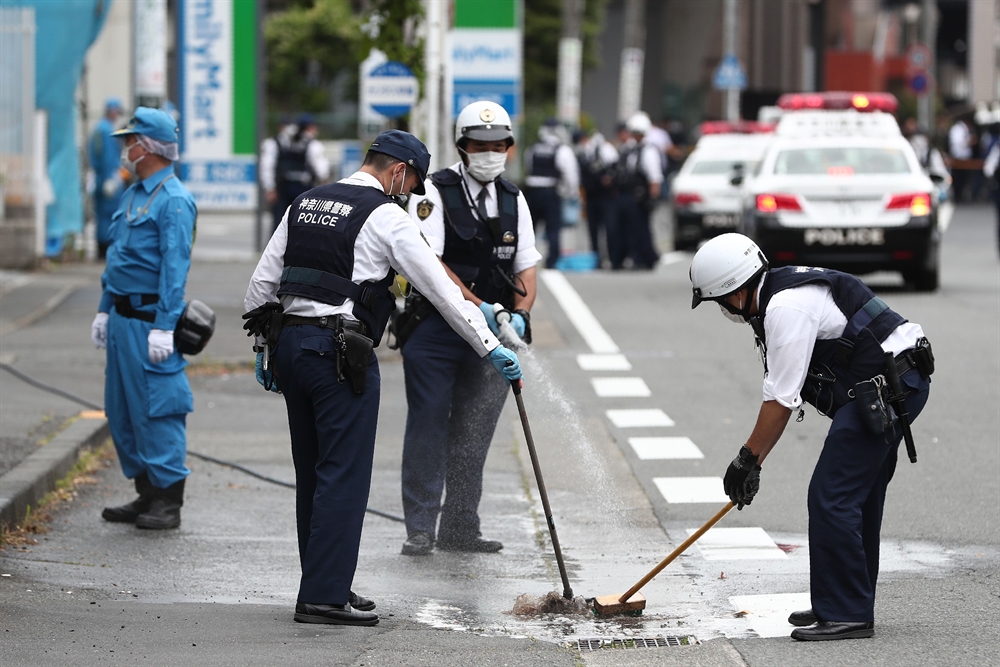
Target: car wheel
926,280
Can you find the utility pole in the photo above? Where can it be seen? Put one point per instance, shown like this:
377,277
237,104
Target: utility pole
150,50
928,35
434,12
633,59
729,29
570,63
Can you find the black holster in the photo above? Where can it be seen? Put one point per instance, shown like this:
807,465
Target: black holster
354,357
871,399
404,322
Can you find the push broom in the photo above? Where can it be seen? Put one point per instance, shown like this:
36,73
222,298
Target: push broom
632,600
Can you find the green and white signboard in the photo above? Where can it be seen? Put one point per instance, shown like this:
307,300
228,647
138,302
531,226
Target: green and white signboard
218,101
485,60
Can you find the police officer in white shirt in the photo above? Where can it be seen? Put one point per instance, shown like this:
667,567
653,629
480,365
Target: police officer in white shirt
639,178
478,223
326,273
825,339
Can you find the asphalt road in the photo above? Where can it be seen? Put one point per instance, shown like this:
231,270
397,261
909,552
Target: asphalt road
220,590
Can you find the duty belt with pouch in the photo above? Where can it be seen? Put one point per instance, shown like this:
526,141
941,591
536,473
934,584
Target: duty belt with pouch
354,347
193,329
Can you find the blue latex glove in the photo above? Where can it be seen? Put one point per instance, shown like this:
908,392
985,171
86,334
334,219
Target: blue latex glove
265,378
491,317
500,357
517,322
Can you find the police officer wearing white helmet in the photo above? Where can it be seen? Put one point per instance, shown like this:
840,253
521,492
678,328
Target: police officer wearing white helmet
638,178
479,226
319,301
825,339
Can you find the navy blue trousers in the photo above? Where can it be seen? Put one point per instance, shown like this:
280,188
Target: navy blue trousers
333,442
546,204
846,498
454,399
600,209
633,228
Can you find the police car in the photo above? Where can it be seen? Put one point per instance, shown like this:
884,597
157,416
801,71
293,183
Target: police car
840,187
706,190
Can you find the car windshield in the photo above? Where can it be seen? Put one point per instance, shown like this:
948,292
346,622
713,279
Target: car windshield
708,167
842,161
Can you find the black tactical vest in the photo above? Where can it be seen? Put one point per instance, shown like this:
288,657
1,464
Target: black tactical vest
630,179
543,160
292,166
857,355
323,225
477,250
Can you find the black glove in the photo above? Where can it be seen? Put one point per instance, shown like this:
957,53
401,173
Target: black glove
742,479
258,318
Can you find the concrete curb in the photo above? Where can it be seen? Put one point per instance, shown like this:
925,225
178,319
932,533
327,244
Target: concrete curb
27,484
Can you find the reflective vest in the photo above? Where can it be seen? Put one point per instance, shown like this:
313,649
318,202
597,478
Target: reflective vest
837,364
323,225
478,250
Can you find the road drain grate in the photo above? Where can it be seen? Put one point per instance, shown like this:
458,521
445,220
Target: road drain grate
633,642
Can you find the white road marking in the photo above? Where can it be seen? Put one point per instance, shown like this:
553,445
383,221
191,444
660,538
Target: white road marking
639,418
578,313
737,544
620,387
767,615
668,258
691,489
665,448
603,362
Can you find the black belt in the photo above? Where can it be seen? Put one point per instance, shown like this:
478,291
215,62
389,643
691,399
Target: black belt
123,304
905,362
329,322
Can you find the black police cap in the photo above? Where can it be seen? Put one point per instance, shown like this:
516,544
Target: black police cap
406,148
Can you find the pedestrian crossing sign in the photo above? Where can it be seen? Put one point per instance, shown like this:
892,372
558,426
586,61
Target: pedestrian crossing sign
729,74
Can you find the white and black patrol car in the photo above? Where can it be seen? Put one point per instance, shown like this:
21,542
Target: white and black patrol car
706,190
840,187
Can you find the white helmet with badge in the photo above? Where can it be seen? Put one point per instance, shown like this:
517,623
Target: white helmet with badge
483,121
638,123
723,266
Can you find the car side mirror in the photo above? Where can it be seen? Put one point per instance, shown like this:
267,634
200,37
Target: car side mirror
736,180
937,179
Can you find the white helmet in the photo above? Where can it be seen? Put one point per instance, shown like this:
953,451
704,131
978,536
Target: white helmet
484,121
724,265
638,123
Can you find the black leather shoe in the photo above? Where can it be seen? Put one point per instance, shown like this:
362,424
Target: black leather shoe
473,545
827,630
129,512
802,618
333,614
418,544
164,510
360,603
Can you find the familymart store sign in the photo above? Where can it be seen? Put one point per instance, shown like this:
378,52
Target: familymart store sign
486,56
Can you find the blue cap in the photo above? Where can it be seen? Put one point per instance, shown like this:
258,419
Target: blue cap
304,120
407,148
154,123
113,103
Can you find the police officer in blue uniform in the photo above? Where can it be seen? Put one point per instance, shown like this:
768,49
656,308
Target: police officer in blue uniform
146,394
826,339
104,153
326,274
480,226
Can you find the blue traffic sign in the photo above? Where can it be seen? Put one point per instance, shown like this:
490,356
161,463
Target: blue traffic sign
729,74
391,89
919,82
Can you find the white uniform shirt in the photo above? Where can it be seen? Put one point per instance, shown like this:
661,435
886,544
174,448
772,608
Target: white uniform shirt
796,318
315,158
388,239
648,157
433,227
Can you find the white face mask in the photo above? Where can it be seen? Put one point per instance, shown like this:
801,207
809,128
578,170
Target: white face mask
732,317
130,164
485,167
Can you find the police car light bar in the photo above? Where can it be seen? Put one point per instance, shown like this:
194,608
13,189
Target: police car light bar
839,100
737,127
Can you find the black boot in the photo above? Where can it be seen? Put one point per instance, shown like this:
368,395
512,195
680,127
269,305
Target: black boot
129,512
165,508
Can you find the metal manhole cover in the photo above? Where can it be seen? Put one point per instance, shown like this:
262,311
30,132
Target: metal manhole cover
599,643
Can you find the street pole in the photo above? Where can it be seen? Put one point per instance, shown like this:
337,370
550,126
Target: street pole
150,52
928,35
570,63
633,58
261,124
729,30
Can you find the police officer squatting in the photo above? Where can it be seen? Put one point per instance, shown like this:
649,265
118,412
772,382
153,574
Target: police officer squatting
479,226
144,325
317,304
827,340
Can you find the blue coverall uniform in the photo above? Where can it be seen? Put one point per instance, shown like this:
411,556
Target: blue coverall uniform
150,254
104,153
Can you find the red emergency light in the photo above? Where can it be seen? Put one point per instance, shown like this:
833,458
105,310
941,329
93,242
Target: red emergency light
768,203
687,198
736,127
839,100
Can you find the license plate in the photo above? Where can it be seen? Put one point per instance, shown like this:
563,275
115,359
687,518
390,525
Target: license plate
720,220
845,236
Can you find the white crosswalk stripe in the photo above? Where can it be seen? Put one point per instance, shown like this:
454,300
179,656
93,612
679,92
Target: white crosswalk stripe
620,387
738,544
639,418
691,489
767,615
665,448
603,362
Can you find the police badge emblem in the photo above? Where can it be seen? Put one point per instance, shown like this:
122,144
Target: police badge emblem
424,209
487,115
508,237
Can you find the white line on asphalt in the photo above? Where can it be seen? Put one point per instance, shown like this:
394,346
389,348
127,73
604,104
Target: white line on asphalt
639,418
665,448
620,387
737,544
767,615
578,313
691,489
669,258
603,362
